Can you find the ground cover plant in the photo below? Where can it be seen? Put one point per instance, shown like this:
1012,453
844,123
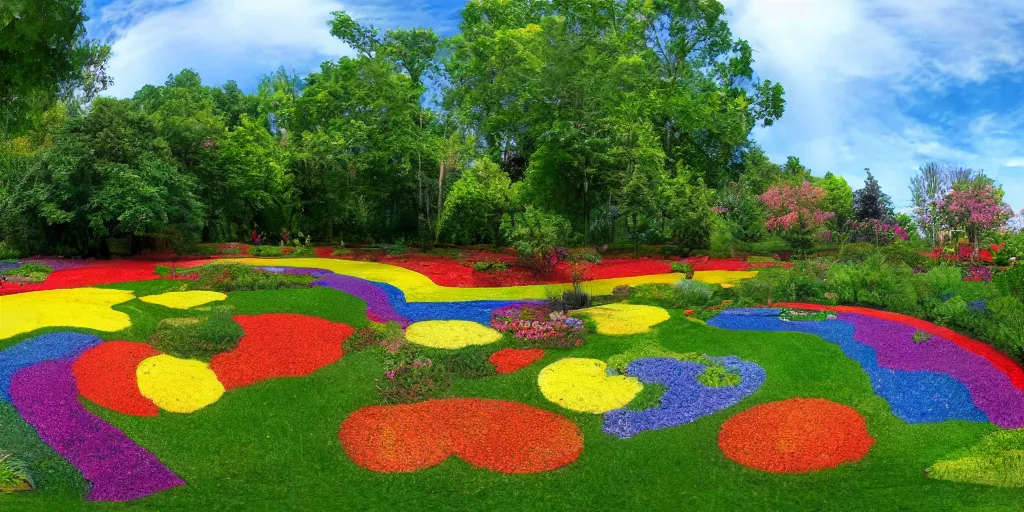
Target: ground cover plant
315,379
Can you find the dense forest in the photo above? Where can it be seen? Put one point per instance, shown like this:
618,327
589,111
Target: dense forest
581,121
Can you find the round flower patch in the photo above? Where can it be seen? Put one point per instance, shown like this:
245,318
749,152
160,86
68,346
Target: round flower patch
280,345
184,300
178,385
584,385
506,437
106,375
87,308
450,334
624,319
799,435
511,360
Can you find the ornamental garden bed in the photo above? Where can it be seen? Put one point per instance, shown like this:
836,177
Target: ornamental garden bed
376,385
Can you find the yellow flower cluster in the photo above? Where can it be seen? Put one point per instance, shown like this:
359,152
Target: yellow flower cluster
625,319
86,308
584,385
178,385
184,300
450,334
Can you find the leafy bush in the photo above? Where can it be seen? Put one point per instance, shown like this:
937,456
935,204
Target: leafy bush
13,473
1006,328
229,277
535,235
8,252
198,338
489,266
34,272
944,281
691,294
717,376
682,268
906,254
410,377
468,363
261,251
388,336
1011,282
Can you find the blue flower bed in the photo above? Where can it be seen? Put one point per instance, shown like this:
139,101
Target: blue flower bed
686,400
46,347
914,396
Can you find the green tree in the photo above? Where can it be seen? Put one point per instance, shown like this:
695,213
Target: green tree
838,199
475,205
870,203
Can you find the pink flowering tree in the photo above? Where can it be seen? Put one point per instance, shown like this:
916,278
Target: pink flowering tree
974,208
795,213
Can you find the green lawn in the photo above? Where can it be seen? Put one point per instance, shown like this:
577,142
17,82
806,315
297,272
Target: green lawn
274,445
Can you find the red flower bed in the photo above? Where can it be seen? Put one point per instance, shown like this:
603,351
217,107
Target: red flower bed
511,360
507,437
280,345
105,375
998,359
799,435
95,273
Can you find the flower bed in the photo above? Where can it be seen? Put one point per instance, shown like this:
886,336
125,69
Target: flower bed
450,334
511,360
86,308
117,469
624,319
46,347
535,324
686,400
178,385
106,375
506,437
915,392
798,435
583,385
184,300
90,273
280,345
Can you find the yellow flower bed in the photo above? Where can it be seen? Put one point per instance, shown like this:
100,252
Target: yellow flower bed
184,300
726,278
450,334
624,319
419,288
583,385
86,308
178,385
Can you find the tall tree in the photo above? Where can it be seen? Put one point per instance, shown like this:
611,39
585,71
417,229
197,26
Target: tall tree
870,203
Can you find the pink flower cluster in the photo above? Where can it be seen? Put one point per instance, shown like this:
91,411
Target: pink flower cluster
535,323
795,208
975,207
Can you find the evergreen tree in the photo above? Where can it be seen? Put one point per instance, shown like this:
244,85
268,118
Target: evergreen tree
870,203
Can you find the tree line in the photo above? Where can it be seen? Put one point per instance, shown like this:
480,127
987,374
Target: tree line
599,121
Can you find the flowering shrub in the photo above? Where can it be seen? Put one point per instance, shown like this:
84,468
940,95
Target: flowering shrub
386,335
796,212
878,232
974,208
535,324
409,377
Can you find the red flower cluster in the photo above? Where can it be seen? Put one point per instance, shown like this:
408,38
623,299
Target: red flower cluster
507,437
511,360
799,435
105,375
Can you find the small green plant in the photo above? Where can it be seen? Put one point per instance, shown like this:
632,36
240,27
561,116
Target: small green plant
800,315
716,375
388,336
921,337
467,363
682,268
33,272
229,277
198,338
410,377
14,474
163,270
261,251
489,266
691,294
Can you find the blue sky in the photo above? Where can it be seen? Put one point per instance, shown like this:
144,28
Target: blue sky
883,84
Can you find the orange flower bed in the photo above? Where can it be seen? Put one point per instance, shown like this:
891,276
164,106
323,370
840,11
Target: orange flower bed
106,376
511,360
280,345
506,437
799,435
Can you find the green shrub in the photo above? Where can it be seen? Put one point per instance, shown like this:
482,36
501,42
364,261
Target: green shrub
950,311
410,377
717,376
1006,327
691,294
13,473
489,266
34,272
1011,281
535,234
261,251
995,461
198,338
229,277
856,252
388,336
906,254
942,281
8,252
468,363
682,268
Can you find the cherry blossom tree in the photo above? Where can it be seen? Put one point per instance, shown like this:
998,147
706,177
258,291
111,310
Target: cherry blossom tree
795,213
974,208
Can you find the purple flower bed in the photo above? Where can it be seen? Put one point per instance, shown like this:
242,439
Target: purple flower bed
915,394
376,300
119,470
46,347
991,389
686,400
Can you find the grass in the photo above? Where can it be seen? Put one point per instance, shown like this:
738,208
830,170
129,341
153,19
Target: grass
274,445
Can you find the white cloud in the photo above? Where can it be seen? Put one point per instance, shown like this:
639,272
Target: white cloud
856,71
232,39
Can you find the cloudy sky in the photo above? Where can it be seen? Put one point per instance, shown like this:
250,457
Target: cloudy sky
879,84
